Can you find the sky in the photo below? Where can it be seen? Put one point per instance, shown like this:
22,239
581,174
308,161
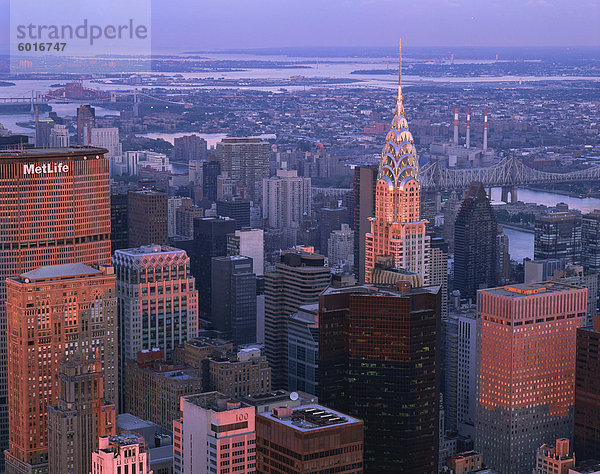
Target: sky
199,25
222,24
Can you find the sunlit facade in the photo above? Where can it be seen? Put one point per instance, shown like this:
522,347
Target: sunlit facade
396,229
527,341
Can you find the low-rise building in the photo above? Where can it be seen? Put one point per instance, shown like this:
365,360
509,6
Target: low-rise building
120,454
554,459
152,387
310,438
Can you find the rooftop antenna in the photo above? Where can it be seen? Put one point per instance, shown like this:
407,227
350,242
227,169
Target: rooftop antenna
400,70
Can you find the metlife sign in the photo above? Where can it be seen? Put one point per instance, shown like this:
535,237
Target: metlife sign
45,168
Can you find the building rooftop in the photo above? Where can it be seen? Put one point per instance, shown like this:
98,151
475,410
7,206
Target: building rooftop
522,290
590,466
129,422
214,401
207,342
278,396
29,153
310,417
60,271
149,250
307,314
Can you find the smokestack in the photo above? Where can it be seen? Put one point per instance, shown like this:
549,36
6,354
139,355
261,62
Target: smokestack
485,131
468,127
456,125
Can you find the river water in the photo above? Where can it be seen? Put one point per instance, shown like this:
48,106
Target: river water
520,242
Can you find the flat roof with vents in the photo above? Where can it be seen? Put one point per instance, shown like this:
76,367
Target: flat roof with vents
312,417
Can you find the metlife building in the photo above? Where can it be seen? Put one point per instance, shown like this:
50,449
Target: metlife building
54,209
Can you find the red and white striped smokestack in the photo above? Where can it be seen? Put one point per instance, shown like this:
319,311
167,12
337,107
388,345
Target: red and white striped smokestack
485,131
456,125
468,127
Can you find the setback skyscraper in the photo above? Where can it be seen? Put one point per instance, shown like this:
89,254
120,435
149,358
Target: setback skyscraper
396,229
53,312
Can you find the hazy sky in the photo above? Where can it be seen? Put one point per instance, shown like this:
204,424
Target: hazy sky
222,24
208,24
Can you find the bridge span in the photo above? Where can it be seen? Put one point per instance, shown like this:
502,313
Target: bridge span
509,173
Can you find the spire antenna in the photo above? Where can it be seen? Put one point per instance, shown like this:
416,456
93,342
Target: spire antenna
400,69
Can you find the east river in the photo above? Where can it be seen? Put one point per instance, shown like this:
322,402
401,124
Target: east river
520,242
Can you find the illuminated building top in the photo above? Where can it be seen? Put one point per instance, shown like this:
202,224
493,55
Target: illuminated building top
399,160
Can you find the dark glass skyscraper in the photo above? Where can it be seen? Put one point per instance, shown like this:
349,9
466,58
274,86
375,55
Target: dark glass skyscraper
587,397
210,171
378,362
475,243
210,240
558,235
234,298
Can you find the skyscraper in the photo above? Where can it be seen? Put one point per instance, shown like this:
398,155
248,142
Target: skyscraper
79,417
235,208
297,280
189,148
396,229
210,171
439,270
245,160
119,222
330,219
286,200
78,232
365,182
148,218
59,136
590,239
587,396
158,301
558,235
249,243
234,298
475,244
86,120
526,370
378,362
210,240
53,311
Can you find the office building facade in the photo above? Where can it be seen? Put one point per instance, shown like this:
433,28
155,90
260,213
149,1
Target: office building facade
245,160
309,438
158,300
70,225
80,416
297,280
378,362
587,395
53,312
475,244
215,434
148,218
234,298
287,200
558,236
525,397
